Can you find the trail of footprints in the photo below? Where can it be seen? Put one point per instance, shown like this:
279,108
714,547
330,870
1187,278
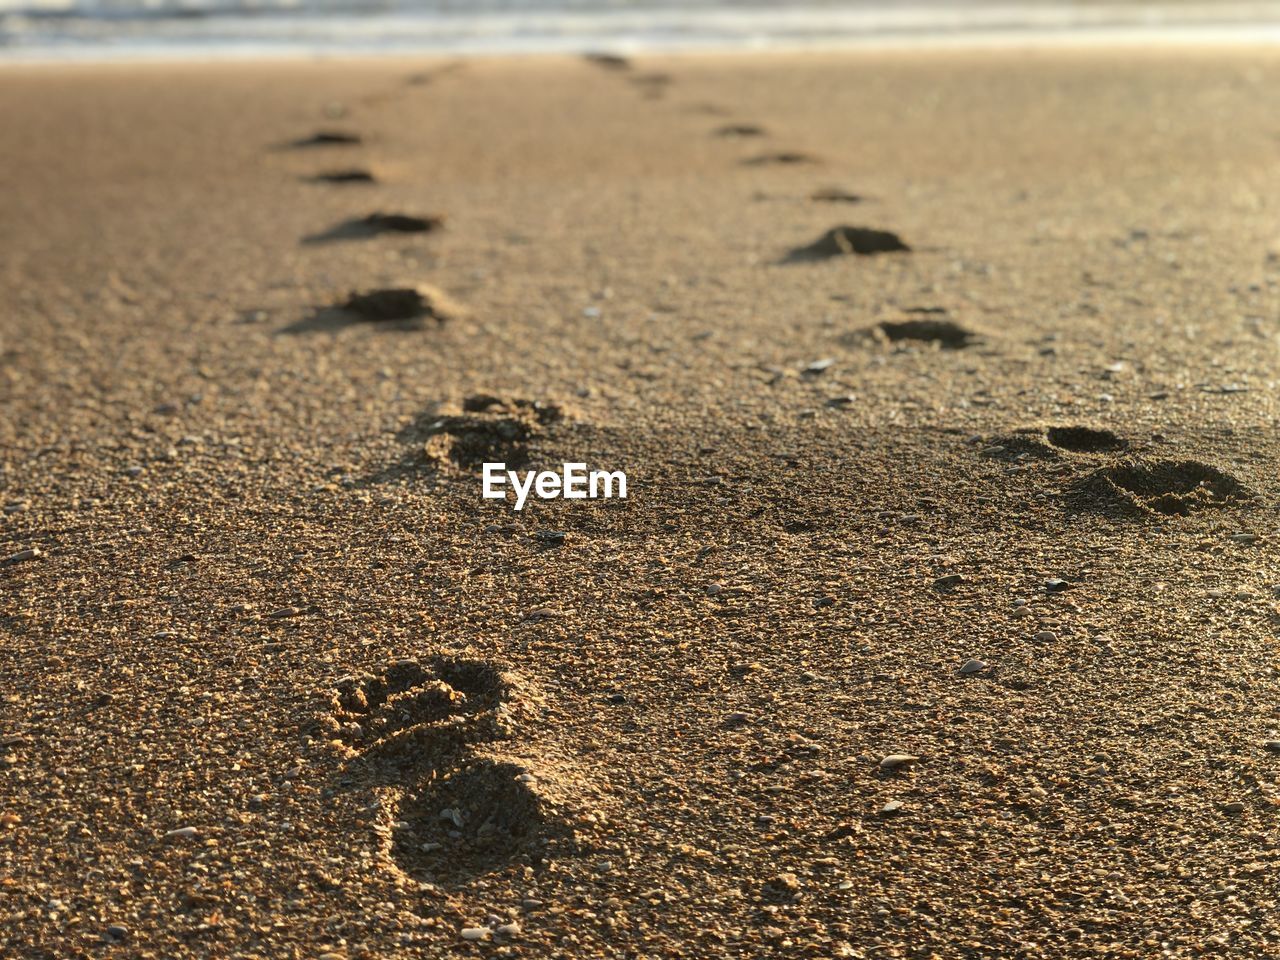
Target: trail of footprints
408,303
428,736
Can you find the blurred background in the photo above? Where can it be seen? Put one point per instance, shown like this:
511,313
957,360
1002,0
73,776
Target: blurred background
128,29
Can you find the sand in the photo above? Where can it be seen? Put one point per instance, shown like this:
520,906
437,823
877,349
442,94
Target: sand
881,656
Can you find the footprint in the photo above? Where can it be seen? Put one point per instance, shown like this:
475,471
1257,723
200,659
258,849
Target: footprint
846,241
786,158
490,430
354,175
327,138
402,303
946,333
374,224
834,195
400,308
1034,444
740,130
1085,440
426,734
373,708
1168,487
609,61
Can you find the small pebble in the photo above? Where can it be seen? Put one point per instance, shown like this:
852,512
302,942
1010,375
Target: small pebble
971,666
475,933
182,833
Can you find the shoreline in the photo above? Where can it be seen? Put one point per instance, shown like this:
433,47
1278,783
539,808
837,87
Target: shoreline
1263,35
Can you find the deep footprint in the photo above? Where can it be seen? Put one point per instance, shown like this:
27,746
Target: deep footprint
458,813
419,302
946,333
786,158
491,430
344,176
327,138
1164,487
377,223
834,195
848,241
1085,440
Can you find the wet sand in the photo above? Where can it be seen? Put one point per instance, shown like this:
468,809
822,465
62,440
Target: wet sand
881,656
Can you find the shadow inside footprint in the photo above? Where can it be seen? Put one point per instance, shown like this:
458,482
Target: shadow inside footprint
848,241
396,308
343,177
946,333
609,61
1085,440
473,821
785,158
360,228
1165,487
834,195
489,430
740,130
416,727
326,138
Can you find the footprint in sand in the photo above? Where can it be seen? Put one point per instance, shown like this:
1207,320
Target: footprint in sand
947,334
848,241
359,228
1036,444
609,61
1079,439
485,429
426,737
490,430
1159,487
739,130
354,175
327,138
785,158
834,195
419,302
402,308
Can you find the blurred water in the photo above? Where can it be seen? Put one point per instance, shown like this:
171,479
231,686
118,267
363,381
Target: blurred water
97,29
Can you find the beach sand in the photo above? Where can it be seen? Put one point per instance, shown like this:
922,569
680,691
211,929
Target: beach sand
278,683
